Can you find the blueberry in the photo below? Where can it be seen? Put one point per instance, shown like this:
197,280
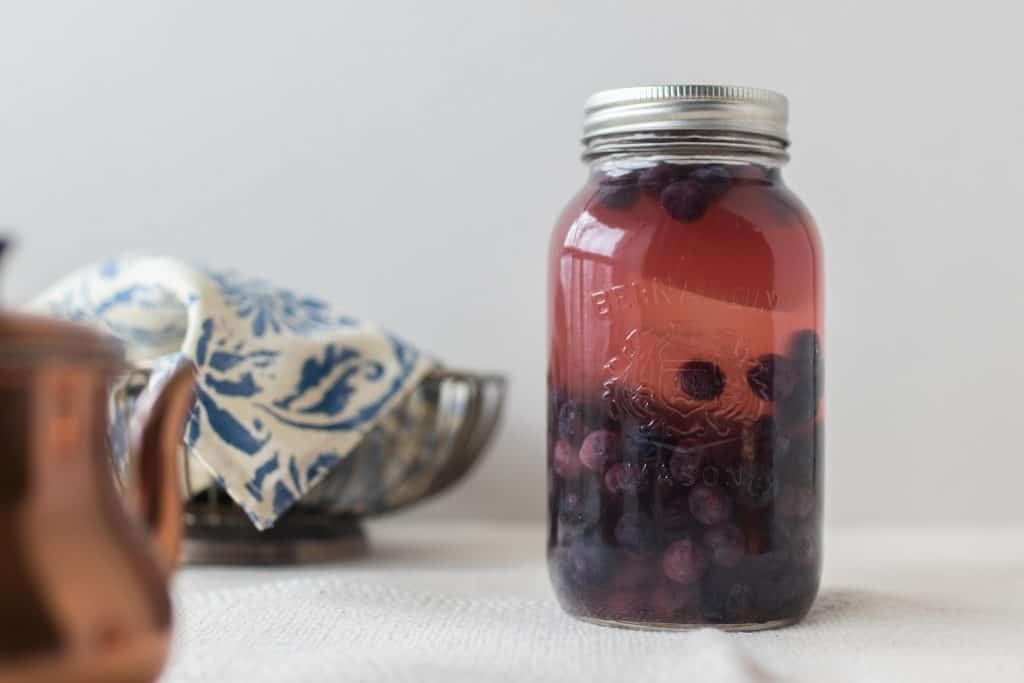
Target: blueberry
710,505
588,562
803,547
715,177
764,565
685,465
626,605
599,448
635,531
801,405
685,200
797,502
570,421
617,196
565,461
673,515
773,592
580,506
769,376
804,351
799,541
738,602
701,380
669,598
625,477
654,178
804,348
618,192
790,593
570,506
684,562
726,544
643,446
768,441
801,462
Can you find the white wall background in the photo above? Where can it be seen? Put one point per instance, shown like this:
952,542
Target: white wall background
407,159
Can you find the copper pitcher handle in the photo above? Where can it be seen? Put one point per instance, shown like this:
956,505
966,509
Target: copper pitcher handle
158,450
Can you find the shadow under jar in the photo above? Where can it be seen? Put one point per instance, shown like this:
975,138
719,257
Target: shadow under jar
685,369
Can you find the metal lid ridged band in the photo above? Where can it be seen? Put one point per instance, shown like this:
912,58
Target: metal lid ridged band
676,108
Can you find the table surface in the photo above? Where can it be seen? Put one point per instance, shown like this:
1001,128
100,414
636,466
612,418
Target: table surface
452,600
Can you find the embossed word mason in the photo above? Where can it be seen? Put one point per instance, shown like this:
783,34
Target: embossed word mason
685,369
654,292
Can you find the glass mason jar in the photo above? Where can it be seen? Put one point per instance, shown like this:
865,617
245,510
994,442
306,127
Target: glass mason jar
685,368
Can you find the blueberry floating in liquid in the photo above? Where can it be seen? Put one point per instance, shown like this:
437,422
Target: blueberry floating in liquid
600,448
570,421
625,478
685,200
684,561
716,178
653,179
771,375
618,192
710,505
565,461
701,380
635,531
726,544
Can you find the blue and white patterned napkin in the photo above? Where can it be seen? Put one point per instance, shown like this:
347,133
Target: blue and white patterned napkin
286,385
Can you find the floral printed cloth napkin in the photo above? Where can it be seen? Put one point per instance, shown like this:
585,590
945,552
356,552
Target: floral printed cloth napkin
286,385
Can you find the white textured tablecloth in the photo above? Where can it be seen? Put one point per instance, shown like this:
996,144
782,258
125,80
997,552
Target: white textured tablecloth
467,601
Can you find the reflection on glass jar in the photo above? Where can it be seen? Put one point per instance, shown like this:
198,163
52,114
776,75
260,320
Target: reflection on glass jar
685,368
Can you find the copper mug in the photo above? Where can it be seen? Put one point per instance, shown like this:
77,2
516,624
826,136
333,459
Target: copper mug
83,580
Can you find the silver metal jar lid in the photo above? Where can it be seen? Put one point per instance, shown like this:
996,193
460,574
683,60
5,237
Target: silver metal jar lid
676,108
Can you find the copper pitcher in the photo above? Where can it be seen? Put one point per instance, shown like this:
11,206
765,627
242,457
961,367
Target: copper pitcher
83,579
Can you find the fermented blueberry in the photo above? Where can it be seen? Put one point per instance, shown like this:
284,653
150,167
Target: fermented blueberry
626,478
684,465
801,405
654,178
618,192
685,200
588,562
565,461
617,196
726,544
709,504
600,448
669,598
673,515
801,544
580,504
738,602
684,561
570,421
797,502
768,441
701,380
804,347
635,531
715,177
804,350
644,445
797,540
768,374
800,464
626,604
